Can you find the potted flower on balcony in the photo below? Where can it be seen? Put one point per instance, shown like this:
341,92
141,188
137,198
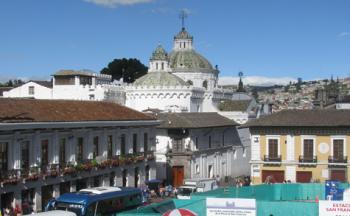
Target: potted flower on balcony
140,158
150,157
129,159
122,160
105,163
68,170
114,162
94,164
11,180
33,174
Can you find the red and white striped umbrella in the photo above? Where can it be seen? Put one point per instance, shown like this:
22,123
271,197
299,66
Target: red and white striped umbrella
180,212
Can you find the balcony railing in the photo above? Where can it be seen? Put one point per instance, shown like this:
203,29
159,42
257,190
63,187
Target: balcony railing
307,159
9,177
337,159
272,158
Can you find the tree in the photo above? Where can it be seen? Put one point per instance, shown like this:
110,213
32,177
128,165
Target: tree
128,69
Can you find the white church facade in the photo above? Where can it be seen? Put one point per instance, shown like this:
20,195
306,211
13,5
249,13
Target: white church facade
181,81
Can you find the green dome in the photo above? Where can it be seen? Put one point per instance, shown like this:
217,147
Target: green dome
160,78
188,59
159,54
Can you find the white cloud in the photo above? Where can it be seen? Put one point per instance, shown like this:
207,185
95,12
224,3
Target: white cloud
116,3
344,34
256,80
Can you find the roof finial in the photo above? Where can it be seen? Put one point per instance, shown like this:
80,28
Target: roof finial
183,16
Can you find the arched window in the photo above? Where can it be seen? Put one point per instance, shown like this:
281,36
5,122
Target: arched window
189,82
184,45
205,84
162,65
156,66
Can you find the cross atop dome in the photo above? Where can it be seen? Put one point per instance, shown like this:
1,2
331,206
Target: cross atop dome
183,40
183,16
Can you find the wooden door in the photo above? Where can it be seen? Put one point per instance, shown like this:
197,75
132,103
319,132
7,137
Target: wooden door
274,176
46,195
304,176
338,175
178,175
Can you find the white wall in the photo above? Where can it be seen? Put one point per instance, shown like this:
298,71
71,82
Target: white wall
40,92
161,98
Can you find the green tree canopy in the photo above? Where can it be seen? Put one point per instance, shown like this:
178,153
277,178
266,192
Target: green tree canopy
129,69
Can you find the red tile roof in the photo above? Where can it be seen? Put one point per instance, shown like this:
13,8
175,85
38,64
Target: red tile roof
31,110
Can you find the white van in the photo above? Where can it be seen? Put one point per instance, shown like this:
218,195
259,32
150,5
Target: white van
54,213
191,186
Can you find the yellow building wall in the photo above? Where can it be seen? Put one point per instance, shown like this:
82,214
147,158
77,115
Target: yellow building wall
321,157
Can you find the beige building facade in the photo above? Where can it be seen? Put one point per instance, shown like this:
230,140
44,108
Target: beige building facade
300,146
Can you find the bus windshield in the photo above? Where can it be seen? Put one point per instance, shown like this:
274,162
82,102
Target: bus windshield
72,207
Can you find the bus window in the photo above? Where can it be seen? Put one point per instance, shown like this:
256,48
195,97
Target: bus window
90,211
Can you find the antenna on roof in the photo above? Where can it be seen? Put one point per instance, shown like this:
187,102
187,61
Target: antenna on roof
183,15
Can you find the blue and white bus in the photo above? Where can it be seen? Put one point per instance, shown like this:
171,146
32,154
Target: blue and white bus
98,201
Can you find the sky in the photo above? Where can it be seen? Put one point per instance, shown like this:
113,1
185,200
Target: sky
268,40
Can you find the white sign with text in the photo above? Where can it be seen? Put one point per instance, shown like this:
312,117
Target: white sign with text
231,207
333,208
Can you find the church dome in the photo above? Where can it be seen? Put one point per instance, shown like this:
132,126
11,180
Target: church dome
188,60
159,78
159,54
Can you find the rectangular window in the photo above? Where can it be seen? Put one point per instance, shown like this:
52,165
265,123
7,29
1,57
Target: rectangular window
122,144
80,149
95,147
109,146
31,90
44,154
196,144
178,145
197,168
308,148
134,143
3,156
145,142
209,141
338,149
25,155
62,156
273,148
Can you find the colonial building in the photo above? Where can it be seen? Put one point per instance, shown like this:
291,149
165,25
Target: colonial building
49,147
72,85
199,145
300,146
31,89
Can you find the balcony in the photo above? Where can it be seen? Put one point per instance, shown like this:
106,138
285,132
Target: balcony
149,155
272,158
9,177
338,159
307,159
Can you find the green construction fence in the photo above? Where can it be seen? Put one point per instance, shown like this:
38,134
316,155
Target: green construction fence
271,200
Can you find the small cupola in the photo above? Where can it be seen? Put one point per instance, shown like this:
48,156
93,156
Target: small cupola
159,60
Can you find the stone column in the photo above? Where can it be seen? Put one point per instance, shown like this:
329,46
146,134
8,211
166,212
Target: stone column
37,199
73,186
56,190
